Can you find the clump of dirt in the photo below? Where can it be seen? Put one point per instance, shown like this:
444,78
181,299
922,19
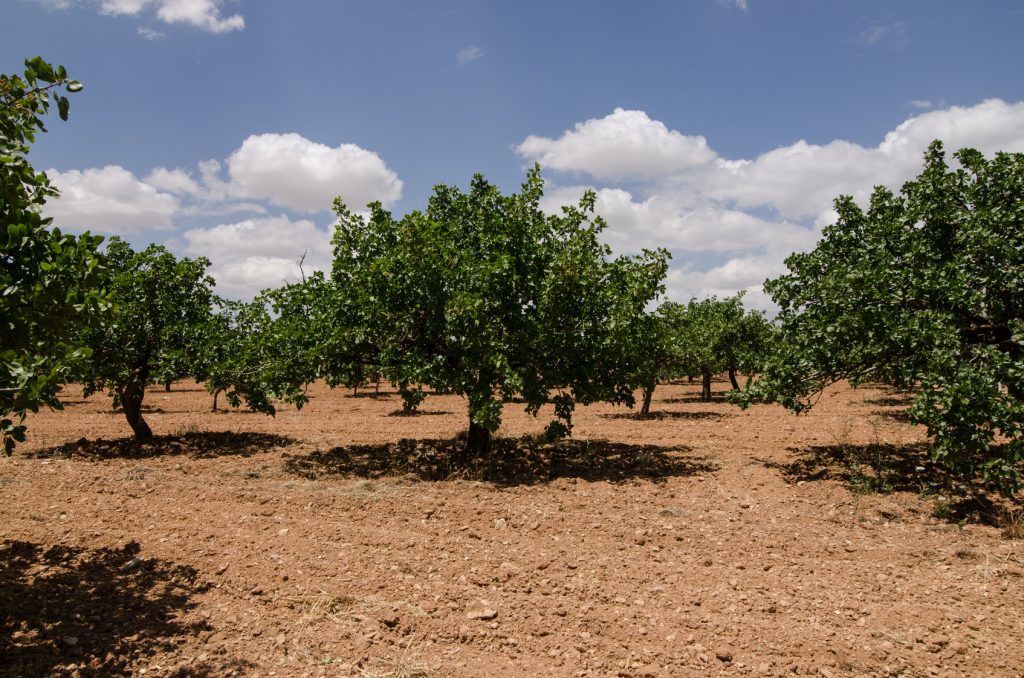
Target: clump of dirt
342,540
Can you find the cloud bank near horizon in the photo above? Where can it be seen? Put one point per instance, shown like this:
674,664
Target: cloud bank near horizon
730,223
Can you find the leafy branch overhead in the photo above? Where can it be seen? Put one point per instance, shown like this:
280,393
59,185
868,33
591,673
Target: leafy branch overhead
50,282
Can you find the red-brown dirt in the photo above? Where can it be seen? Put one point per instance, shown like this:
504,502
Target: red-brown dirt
704,541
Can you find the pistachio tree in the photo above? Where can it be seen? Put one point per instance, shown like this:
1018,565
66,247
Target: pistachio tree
924,290
49,280
159,302
484,295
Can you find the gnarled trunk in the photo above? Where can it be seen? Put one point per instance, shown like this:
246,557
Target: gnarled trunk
215,394
732,379
705,393
131,402
645,409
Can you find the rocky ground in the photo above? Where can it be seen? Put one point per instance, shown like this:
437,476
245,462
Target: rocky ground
703,541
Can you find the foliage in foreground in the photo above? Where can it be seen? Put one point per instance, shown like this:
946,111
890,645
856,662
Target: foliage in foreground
49,281
925,291
483,295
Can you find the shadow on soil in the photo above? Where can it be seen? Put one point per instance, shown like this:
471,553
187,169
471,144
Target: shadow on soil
664,415
695,398
418,413
512,461
93,612
198,445
882,468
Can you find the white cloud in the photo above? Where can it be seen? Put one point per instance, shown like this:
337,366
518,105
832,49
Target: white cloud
123,7
176,181
756,211
202,14
255,254
922,104
469,54
149,33
108,200
623,144
291,171
802,179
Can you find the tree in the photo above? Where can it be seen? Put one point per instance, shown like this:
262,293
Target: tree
260,352
160,301
709,334
657,349
749,345
924,290
483,295
49,281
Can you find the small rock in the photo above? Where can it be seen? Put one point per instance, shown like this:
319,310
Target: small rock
132,564
486,614
723,655
70,640
280,639
283,531
222,569
500,524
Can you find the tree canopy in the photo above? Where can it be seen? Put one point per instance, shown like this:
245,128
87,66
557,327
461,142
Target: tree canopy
49,281
161,302
924,290
484,295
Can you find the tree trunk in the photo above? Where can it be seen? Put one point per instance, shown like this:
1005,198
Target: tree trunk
648,394
131,402
705,393
167,386
732,378
215,394
478,443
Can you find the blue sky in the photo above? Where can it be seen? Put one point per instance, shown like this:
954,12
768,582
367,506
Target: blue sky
721,129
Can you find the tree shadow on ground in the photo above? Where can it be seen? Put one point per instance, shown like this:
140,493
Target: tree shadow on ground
661,414
95,612
513,461
897,400
384,394
695,398
883,468
901,416
418,413
196,444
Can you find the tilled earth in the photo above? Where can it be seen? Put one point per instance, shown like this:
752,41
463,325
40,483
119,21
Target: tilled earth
704,540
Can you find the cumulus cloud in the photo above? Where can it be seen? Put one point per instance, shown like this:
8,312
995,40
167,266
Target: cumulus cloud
623,144
108,200
752,212
202,14
468,54
291,171
254,254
